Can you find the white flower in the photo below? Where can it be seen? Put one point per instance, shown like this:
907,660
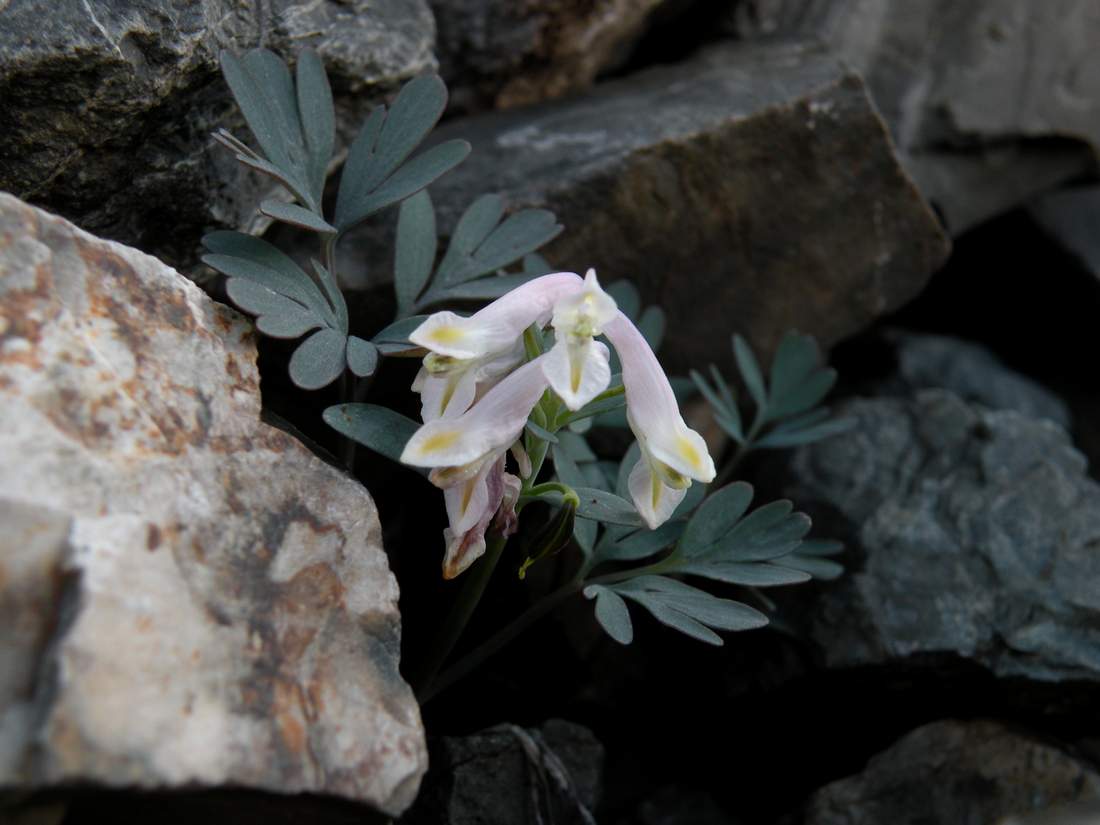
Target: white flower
460,444
471,506
577,365
672,453
449,391
498,326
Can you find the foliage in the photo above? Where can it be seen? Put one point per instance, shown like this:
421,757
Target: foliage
712,536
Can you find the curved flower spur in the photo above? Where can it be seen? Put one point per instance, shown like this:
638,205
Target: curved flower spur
477,395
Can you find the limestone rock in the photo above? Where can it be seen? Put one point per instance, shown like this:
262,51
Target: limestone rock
501,53
109,105
991,101
507,774
189,596
953,771
749,189
974,537
971,372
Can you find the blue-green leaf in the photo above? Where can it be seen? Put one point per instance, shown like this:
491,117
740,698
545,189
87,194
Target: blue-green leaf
750,371
318,117
378,428
715,518
611,613
362,356
296,216
415,249
607,507
319,360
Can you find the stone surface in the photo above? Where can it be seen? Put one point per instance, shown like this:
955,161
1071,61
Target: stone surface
749,189
973,373
507,774
190,597
990,101
109,104
500,53
1072,218
956,772
973,536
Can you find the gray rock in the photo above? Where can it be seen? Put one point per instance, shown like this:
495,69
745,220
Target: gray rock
190,597
990,102
973,373
499,53
507,774
1072,218
975,535
749,189
109,104
956,772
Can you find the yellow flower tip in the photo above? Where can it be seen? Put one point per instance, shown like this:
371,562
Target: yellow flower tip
690,452
447,334
439,441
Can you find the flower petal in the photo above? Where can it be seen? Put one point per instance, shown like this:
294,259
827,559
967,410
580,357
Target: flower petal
652,410
577,372
464,548
490,425
653,499
497,326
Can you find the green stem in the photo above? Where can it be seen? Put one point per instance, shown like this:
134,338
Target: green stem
476,580
743,449
498,640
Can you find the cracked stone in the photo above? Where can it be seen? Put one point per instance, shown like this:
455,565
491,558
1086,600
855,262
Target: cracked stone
191,598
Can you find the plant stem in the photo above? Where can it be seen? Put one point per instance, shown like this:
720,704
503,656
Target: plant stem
498,640
476,580
743,449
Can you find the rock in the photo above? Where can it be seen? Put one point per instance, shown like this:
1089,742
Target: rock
749,189
508,774
109,105
971,372
990,102
974,533
191,598
1070,218
499,54
955,772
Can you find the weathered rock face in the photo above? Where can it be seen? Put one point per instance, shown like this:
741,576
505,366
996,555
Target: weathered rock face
109,105
1070,217
971,372
975,93
501,53
954,771
507,774
750,190
190,597
975,532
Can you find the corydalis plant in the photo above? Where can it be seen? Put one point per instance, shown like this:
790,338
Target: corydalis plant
293,122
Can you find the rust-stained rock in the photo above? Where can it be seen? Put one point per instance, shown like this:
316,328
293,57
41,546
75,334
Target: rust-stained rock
751,190
189,596
957,772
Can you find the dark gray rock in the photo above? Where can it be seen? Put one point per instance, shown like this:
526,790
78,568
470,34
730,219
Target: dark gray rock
500,53
956,772
975,533
507,774
973,373
991,102
749,189
1072,218
109,104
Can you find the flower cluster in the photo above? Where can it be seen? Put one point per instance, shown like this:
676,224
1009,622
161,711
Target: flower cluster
477,393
